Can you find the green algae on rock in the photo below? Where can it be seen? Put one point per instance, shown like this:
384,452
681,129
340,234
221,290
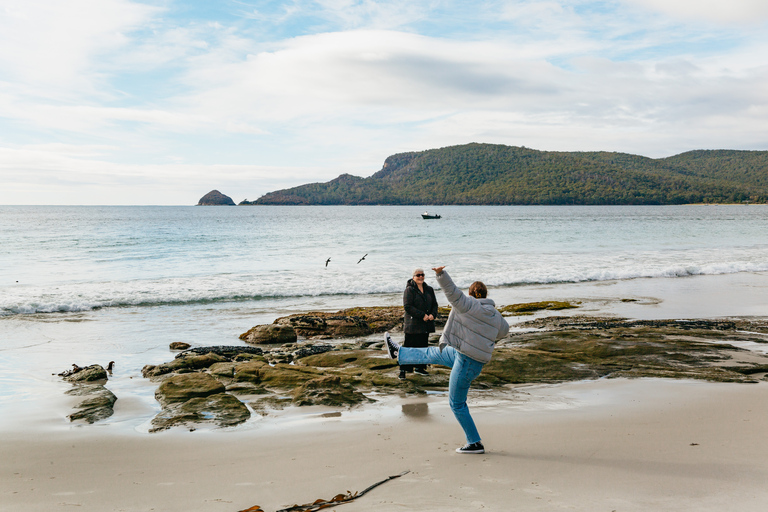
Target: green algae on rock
527,308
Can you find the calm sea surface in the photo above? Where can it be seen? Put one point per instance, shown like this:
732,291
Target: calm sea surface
94,284
68,259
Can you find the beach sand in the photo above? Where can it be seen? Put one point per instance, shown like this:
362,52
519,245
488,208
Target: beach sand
607,445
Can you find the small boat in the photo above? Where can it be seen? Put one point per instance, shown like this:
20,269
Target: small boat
426,215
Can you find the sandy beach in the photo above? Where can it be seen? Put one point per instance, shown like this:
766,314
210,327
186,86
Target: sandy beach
623,445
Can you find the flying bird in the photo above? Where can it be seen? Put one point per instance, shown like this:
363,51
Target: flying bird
327,261
361,259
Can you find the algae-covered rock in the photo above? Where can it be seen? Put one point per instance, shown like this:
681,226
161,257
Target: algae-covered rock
186,386
329,391
187,362
179,345
346,358
268,334
528,308
222,409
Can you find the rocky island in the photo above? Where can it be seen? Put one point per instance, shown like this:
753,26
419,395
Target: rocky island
215,198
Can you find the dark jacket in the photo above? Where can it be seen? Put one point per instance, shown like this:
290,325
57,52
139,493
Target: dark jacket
416,305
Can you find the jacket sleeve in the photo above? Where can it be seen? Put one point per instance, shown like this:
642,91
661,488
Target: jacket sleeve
455,296
503,327
408,304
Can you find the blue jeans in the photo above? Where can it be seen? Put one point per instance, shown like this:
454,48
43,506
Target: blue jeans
463,371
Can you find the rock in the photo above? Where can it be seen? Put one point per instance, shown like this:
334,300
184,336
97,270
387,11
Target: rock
186,386
98,406
215,198
311,350
179,345
327,391
325,325
280,376
222,409
228,351
186,363
305,325
271,333
92,373
347,326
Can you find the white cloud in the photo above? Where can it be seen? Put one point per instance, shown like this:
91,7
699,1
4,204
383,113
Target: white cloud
717,11
54,42
109,99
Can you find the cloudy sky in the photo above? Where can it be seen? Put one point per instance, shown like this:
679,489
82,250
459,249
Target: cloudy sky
160,101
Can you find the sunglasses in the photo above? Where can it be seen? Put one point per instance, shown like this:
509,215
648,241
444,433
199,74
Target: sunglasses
418,275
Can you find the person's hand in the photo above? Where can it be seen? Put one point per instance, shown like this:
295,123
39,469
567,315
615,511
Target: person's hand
431,317
426,318
438,270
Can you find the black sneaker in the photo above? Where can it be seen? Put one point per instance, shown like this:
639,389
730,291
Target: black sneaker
471,448
390,346
402,375
420,371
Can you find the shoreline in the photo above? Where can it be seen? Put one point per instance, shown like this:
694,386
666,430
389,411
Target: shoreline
630,445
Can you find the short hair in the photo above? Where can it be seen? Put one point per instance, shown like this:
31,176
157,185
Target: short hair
418,271
478,290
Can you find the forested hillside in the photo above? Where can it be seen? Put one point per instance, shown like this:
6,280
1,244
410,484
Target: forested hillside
497,174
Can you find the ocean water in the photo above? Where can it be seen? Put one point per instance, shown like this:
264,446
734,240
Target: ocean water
93,284
70,259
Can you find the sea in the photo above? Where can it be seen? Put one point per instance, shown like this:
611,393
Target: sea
91,284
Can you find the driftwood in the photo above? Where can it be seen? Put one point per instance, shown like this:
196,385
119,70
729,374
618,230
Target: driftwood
319,504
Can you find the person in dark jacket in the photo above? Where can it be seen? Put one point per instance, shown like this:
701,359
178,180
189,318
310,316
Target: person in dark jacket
420,307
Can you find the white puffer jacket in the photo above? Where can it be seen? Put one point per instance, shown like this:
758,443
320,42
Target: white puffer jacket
473,326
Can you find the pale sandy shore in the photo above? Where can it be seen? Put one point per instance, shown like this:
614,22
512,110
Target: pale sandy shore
609,445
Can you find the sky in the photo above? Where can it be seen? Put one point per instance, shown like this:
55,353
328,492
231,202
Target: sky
121,102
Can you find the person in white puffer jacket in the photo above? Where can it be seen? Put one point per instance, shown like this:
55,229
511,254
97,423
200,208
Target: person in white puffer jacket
466,345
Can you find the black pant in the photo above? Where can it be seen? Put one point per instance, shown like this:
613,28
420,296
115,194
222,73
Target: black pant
415,339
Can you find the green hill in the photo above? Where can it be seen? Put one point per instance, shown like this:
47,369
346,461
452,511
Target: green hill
497,174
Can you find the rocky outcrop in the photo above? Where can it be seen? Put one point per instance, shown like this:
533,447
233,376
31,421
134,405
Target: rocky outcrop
92,373
221,409
98,404
183,387
328,390
342,374
189,362
193,398
88,382
348,323
270,334
179,345
215,198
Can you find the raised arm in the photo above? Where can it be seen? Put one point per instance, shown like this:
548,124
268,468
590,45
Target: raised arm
455,296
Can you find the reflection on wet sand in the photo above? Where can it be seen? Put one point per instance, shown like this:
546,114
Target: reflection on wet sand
419,410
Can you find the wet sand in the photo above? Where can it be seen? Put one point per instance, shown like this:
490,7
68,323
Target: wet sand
623,445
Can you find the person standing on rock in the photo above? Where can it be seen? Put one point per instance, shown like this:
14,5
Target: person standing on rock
420,306
466,345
